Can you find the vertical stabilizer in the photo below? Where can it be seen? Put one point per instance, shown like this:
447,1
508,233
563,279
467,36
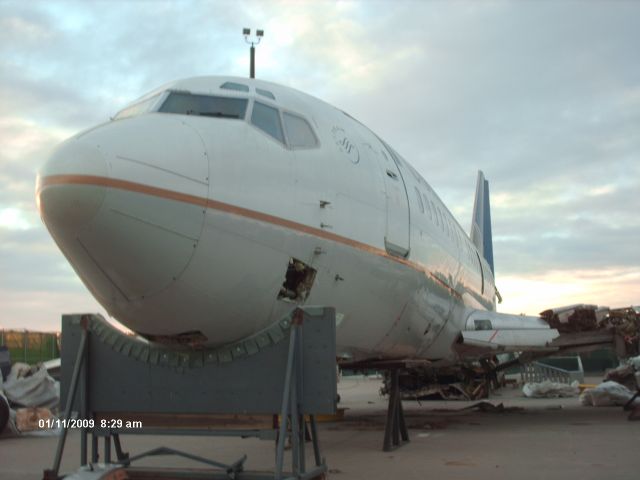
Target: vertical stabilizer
481,221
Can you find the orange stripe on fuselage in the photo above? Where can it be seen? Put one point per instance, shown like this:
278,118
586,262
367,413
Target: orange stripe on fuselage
228,208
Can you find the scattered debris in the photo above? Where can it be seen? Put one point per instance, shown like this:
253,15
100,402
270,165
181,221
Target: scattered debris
635,362
29,419
28,395
485,407
548,389
488,407
573,318
470,381
607,394
585,318
624,375
31,386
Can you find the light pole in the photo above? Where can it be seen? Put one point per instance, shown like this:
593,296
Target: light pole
252,51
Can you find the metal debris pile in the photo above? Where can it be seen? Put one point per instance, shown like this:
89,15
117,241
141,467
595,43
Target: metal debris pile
459,382
585,318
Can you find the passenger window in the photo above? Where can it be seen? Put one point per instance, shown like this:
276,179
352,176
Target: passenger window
205,105
299,132
419,200
267,119
435,213
426,203
235,86
265,93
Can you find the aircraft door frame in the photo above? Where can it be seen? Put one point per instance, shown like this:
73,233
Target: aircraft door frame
397,235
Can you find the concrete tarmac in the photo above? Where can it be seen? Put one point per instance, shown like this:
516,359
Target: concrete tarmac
540,439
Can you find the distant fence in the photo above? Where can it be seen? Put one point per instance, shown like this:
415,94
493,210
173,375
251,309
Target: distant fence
30,347
554,369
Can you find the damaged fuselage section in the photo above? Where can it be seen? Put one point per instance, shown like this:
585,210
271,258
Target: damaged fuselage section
298,282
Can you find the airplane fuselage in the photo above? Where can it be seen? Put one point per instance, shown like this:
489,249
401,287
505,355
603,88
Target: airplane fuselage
185,221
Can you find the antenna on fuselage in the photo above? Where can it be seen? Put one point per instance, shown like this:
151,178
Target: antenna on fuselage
252,51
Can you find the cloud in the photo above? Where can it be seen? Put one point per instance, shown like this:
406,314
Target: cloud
13,219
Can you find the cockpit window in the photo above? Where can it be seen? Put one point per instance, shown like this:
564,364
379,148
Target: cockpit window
137,108
299,132
265,93
267,119
204,105
235,86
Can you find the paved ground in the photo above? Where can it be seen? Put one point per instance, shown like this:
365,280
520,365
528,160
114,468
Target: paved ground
547,439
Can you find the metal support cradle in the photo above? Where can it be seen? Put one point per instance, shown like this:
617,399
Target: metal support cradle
295,379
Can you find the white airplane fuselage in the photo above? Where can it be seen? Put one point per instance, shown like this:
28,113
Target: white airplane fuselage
186,221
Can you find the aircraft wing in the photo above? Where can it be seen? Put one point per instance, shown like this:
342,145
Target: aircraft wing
489,333
573,328
498,341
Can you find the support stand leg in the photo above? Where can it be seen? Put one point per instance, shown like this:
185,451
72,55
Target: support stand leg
284,411
107,449
395,428
314,438
77,368
95,456
122,457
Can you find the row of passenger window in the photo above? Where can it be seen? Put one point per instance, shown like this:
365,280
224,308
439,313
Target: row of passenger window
446,225
297,133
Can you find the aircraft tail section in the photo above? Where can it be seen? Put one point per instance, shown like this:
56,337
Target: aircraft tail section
481,221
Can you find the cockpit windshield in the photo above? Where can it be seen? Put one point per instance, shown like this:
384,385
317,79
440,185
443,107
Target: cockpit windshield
138,108
204,105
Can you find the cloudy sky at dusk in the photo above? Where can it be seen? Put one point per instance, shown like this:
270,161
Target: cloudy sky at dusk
544,97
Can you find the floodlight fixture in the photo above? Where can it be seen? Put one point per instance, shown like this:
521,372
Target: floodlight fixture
252,51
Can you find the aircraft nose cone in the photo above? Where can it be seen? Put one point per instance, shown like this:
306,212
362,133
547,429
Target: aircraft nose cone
70,187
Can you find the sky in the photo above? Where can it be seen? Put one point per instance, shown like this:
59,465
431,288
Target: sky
544,97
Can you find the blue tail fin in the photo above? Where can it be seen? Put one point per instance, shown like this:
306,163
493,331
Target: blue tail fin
481,221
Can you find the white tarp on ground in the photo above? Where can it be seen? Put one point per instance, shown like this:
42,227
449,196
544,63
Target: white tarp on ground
31,387
635,361
607,394
549,389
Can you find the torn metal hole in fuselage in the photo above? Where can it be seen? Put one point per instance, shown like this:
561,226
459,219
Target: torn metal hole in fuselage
298,281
